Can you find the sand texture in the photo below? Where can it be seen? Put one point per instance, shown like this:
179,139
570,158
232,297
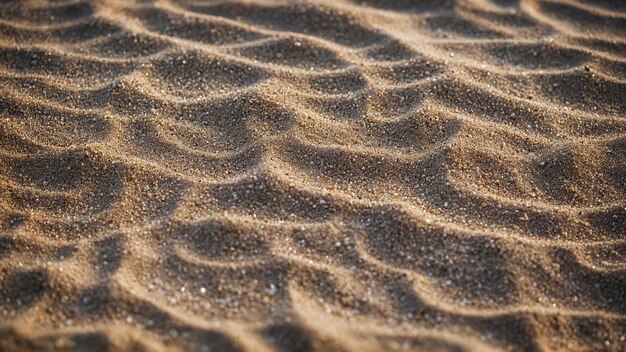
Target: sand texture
337,175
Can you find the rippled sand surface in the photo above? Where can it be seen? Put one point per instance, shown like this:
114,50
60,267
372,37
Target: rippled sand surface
361,175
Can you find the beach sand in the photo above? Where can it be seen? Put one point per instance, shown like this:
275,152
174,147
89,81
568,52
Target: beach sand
361,175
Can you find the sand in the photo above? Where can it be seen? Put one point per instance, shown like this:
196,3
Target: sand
361,175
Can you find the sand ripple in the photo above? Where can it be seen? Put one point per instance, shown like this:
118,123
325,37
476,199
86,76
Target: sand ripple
366,175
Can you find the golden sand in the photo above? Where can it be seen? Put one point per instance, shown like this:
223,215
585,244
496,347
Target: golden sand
361,175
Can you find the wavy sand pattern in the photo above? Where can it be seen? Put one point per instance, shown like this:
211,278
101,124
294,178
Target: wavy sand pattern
331,176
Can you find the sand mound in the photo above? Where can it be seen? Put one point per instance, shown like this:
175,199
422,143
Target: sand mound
361,175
